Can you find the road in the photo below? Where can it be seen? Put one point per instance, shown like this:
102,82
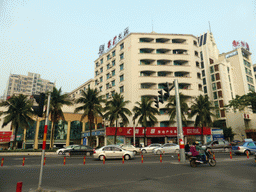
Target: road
237,174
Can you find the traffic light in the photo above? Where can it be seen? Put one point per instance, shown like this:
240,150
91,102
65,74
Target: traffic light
156,102
161,96
167,89
40,101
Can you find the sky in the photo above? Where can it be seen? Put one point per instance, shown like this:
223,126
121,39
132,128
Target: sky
60,39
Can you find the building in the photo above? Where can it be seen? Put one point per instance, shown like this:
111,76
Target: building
141,63
254,70
27,85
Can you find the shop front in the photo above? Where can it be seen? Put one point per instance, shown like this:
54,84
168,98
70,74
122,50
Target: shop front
97,137
154,135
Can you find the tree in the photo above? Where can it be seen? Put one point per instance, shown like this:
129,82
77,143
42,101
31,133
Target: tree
227,131
238,103
171,105
19,113
145,113
250,100
91,106
56,103
115,110
202,108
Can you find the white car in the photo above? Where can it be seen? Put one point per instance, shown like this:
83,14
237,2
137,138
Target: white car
150,148
167,148
70,147
112,152
135,150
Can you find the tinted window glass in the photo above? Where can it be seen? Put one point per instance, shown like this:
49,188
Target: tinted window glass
107,149
77,147
251,144
116,149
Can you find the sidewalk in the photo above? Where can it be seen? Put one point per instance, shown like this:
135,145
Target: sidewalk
27,154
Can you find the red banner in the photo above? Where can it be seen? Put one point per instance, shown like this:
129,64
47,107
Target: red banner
156,131
5,136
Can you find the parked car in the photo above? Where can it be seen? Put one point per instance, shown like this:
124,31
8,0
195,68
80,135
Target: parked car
112,152
235,142
135,150
243,147
60,151
167,148
79,150
217,145
150,148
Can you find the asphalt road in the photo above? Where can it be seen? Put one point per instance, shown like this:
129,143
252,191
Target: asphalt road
237,174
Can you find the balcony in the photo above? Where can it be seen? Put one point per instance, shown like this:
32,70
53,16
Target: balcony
180,62
179,41
164,74
162,40
146,62
163,51
147,73
184,86
163,62
148,86
181,74
146,40
180,51
146,50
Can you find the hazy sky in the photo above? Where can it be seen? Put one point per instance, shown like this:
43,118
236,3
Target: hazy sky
60,39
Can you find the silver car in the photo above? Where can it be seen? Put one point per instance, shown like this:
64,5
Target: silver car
167,148
150,148
131,148
112,152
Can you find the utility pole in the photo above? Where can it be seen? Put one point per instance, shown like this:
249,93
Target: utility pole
179,122
44,143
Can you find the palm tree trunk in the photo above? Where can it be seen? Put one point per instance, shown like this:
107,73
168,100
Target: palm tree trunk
90,137
52,134
202,134
16,131
145,136
115,133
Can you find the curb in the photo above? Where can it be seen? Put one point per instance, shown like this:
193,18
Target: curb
26,153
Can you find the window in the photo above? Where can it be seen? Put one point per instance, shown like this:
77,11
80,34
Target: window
211,69
108,76
121,67
96,73
221,103
122,56
113,83
215,95
222,113
201,55
97,64
101,69
107,85
107,96
121,46
122,89
217,76
101,61
113,63
108,66
108,57
101,89
101,79
196,53
114,53
214,86
220,94
204,81
96,82
203,73
205,89
202,65
113,72
216,67
218,85
246,63
121,78
228,69
211,61
216,103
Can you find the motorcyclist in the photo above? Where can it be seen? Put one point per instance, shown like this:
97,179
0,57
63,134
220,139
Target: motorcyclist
194,152
201,151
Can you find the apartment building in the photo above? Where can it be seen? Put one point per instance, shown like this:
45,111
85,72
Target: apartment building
254,70
27,84
140,64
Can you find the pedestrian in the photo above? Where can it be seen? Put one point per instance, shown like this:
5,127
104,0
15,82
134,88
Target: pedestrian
187,147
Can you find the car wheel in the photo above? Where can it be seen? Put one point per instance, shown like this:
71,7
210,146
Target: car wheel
158,152
101,157
245,152
135,152
144,151
212,162
127,157
60,153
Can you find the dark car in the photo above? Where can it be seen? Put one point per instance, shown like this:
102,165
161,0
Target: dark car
80,150
235,142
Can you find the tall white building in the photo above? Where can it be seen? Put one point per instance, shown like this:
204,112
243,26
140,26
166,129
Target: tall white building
27,85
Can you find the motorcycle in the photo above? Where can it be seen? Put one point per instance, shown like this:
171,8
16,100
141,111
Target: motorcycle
194,161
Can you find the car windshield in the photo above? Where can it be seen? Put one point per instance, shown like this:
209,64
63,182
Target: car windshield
69,147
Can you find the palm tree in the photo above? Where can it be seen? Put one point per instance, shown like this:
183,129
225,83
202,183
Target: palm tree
171,105
237,103
19,113
56,103
91,107
145,113
202,108
116,110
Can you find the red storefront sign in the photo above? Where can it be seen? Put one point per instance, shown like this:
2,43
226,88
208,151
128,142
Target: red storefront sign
5,136
155,131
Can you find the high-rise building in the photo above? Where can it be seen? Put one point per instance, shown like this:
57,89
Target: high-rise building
140,64
27,85
254,70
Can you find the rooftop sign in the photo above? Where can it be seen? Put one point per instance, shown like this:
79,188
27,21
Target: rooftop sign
237,44
112,43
